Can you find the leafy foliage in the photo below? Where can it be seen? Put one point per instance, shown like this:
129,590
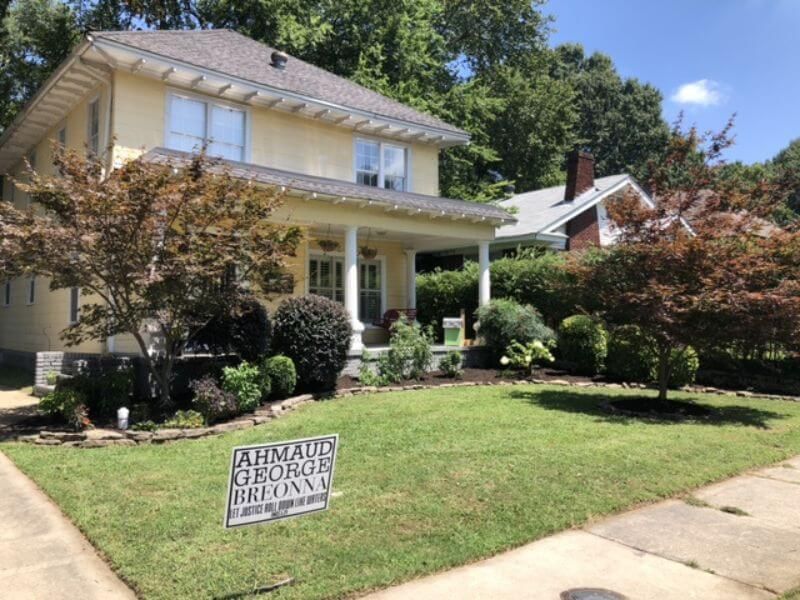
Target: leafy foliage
683,367
282,374
67,404
245,330
450,365
582,342
730,278
410,354
211,401
523,357
246,383
186,419
151,245
631,355
504,321
315,333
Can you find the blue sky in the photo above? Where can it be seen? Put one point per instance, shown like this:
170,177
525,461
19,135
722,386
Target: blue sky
710,58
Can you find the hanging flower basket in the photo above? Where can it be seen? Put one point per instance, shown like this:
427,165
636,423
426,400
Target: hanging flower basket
368,253
328,245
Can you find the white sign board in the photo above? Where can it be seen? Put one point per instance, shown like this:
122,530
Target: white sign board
269,482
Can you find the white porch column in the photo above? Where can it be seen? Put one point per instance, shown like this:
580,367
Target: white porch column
351,284
411,278
484,281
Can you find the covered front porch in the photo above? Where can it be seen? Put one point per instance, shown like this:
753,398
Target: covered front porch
372,271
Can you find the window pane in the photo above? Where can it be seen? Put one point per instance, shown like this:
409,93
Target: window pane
187,126
227,132
394,183
394,161
32,290
367,162
7,293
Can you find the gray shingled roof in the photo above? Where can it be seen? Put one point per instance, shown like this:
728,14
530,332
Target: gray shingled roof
539,210
335,187
232,53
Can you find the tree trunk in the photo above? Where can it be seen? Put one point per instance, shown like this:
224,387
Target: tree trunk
664,354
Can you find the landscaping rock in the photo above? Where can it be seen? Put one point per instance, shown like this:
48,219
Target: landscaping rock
47,442
261,419
196,432
167,435
139,436
103,434
63,436
558,382
232,426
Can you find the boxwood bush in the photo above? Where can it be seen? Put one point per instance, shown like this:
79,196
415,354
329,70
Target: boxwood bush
315,333
504,321
583,344
282,374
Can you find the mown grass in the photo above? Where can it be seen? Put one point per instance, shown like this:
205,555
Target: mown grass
426,480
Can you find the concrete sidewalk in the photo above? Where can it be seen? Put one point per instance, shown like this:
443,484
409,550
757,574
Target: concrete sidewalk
42,555
739,539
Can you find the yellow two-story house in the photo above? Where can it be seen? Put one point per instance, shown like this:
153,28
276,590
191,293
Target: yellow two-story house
357,168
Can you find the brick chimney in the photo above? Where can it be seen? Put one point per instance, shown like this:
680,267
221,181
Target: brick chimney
580,174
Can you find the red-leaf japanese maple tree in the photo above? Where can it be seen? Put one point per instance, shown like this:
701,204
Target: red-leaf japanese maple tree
703,266
151,246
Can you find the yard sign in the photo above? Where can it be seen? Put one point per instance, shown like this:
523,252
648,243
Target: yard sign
270,482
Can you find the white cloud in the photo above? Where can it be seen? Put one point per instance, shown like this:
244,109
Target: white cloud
704,92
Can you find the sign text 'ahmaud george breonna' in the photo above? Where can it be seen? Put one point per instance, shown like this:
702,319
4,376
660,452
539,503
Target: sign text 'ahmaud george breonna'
269,482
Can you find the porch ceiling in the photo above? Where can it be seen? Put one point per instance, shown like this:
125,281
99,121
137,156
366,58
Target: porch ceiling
409,241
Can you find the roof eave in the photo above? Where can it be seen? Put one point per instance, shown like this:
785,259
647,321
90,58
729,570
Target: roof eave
361,120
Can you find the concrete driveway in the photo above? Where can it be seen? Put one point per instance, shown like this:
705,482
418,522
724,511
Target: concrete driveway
739,539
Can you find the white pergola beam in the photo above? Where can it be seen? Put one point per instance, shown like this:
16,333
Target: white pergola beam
138,65
197,81
167,73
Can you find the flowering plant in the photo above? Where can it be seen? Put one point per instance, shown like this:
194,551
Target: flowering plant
523,357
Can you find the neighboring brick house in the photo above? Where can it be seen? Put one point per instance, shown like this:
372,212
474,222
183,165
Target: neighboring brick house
565,217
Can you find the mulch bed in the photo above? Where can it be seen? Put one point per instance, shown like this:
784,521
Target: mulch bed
347,382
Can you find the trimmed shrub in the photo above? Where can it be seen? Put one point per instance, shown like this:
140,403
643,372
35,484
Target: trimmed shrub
67,404
246,383
282,375
450,365
245,332
583,343
683,367
315,333
630,355
541,280
211,401
505,321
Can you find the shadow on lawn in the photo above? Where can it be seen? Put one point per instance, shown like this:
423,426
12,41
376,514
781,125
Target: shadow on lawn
597,405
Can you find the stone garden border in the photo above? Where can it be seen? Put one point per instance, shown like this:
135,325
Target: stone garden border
101,438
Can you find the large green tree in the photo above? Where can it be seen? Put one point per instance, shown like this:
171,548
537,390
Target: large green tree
619,120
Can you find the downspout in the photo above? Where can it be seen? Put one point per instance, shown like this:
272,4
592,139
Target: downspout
110,340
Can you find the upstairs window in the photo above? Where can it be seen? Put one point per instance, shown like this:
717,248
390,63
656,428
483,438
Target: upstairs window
193,123
93,134
381,165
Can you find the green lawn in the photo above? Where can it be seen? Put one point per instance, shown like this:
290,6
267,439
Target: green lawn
428,480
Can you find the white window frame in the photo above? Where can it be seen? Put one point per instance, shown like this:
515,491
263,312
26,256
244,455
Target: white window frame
7,294
209,101
95,101
61,135
380,258
77,319
30,298
381,145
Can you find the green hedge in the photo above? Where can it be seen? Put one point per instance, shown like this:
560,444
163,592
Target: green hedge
541,281
582,342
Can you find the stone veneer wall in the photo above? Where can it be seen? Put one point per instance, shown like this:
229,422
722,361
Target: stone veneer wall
474,357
